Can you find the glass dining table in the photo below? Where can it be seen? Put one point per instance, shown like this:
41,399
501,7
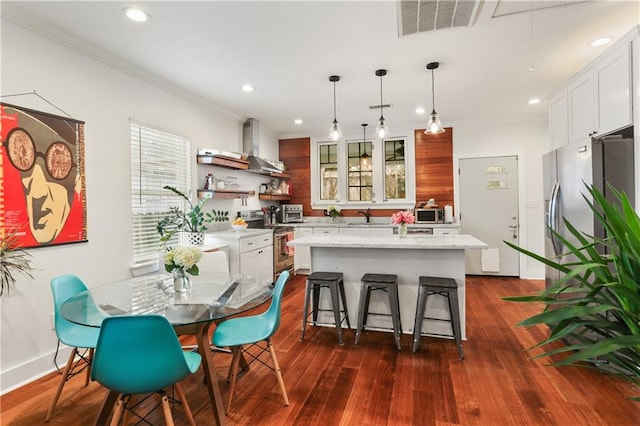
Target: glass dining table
212,297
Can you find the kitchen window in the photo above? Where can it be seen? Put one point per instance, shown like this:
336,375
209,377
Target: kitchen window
357,173
157,159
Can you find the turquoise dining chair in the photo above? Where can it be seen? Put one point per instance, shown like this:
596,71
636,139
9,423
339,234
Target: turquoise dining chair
141,354
252,330
79,337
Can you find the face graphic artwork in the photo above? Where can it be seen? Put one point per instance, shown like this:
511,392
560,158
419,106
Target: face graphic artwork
48,176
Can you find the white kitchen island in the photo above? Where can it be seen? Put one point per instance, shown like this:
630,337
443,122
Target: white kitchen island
409,258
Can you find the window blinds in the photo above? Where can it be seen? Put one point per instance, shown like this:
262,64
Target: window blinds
157,159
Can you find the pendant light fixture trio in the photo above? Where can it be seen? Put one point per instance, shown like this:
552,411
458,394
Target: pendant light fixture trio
335,132
434,126
382,129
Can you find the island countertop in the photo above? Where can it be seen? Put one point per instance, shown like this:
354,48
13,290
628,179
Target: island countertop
420,242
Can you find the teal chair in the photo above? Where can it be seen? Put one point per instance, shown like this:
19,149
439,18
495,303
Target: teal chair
78,337
250,331
141,354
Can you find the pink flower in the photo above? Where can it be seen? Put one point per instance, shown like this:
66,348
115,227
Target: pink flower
403,216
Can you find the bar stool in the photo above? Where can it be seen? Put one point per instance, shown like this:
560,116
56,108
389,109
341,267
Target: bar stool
334,282
389,284
448,288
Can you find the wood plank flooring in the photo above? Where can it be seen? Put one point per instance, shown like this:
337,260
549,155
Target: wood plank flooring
373,384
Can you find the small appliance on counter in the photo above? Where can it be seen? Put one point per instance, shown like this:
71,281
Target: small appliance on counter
429,215
290,213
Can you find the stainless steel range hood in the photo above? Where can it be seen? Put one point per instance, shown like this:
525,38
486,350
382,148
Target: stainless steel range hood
251,145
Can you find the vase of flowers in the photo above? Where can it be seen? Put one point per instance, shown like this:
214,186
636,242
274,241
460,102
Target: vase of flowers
402,219
334,212
181,261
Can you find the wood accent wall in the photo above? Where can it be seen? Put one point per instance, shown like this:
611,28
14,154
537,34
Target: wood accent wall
434,171
434,167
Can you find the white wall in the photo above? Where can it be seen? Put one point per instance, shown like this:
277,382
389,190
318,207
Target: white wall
106,99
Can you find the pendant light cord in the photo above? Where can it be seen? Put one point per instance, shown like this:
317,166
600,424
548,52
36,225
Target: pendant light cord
334,102
433,93
381,104
532,66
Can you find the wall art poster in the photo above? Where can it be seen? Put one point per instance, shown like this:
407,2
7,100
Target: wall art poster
42,178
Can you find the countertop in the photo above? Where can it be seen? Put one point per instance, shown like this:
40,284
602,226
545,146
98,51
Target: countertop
343,223
235,235
457,241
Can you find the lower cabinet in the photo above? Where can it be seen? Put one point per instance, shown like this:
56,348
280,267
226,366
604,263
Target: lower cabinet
302,255
445,231
252,255
258,263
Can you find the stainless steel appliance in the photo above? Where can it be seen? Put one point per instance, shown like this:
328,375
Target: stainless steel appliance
254,218
429,215
601,161
290,213
283,255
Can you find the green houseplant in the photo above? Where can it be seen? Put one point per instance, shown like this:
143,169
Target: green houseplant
595,305
192,219
13,261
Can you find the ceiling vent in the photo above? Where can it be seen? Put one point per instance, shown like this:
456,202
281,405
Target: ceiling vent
430,15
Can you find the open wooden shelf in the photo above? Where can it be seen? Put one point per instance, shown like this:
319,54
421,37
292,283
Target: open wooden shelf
221,161
224,193
274,197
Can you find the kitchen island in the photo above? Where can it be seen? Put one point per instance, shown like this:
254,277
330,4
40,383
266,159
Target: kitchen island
409,258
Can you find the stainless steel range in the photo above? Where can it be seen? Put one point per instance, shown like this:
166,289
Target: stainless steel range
282,254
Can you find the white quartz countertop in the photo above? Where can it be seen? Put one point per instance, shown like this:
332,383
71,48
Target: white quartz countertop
457,241
236,235
356,224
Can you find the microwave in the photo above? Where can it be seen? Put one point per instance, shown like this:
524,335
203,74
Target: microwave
429,215
290,213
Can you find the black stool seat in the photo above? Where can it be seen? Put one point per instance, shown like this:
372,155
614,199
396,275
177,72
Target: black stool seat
389,284
335,283
446,287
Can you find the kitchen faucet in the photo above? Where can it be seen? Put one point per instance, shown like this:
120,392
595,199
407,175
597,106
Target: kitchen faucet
366,214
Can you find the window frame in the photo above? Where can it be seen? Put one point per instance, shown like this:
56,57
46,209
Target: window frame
378,169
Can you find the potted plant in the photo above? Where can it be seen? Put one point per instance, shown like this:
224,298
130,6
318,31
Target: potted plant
595,305
192,220
13,260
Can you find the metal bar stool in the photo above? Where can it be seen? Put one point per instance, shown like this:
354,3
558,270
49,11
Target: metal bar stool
334,282
389,284
446,287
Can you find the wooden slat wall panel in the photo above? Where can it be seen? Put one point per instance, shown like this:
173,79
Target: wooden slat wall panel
434,167
434,171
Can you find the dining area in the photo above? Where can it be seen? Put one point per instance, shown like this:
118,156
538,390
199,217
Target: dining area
129,333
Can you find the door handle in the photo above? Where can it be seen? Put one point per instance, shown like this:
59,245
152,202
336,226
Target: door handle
513,226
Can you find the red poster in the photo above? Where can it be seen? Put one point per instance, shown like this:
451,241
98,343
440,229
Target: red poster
42,178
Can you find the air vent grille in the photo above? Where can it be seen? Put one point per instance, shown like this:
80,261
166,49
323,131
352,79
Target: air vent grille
430,15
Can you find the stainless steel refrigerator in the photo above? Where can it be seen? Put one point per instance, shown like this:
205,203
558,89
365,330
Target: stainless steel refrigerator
601,161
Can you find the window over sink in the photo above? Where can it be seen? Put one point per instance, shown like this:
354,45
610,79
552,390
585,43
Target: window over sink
357,173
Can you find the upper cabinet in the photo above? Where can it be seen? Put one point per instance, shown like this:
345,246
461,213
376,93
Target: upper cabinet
596,101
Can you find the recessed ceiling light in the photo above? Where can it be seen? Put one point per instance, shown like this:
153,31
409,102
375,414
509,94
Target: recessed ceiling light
297,121
534,101
420,110
136,14
600,41
248,88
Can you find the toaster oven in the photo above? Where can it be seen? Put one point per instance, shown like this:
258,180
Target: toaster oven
290,213
429,215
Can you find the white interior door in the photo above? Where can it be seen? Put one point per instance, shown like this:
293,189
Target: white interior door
489,211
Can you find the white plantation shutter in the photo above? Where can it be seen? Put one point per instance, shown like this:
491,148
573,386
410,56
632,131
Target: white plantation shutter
157,159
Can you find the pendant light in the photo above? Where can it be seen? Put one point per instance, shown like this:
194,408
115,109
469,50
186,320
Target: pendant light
335,132
434,126
382,129
364,158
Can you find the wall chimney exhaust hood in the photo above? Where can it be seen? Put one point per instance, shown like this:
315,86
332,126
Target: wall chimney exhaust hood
251,145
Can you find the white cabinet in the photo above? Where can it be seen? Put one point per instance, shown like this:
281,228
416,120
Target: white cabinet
600,97
326,230
249,254
559,119
302,255
445,231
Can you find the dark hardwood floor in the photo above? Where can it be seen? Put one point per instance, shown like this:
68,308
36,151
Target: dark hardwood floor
373,384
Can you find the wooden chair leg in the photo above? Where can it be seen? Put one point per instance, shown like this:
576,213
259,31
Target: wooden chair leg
166,410
185,404
233,360
89,363
234,374
118,411
278,373
63,380
126,413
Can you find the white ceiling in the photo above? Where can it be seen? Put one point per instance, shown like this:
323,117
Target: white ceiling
287,50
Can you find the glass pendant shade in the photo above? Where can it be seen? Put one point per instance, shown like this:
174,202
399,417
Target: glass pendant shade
335,133
382,129
434,126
